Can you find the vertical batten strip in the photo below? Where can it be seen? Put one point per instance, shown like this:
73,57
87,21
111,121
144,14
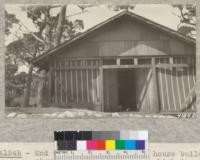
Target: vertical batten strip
188,77
76,74
97,71
179,98
72,92
65,71
167,89
82,85
161,85
194,76
61,97
50,83
88,98
92,80
101,88
56,98
171,75
183,84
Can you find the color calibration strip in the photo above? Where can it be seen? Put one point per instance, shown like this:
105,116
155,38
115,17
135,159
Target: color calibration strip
102,145
101,140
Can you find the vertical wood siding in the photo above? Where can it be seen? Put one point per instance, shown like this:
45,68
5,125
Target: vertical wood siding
127,38
81,82
175,85
75,85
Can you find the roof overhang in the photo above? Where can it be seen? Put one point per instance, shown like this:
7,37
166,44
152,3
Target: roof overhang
42,60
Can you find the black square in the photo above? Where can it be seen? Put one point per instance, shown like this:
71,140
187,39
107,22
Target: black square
71,145
58,136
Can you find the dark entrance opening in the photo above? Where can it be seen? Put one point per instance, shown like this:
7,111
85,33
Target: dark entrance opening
127,90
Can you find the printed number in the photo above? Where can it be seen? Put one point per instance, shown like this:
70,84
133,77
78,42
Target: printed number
186,115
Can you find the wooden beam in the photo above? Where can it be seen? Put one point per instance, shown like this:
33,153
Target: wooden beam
78,68
154,101
125,66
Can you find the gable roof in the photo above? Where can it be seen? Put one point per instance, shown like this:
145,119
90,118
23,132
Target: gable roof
39,61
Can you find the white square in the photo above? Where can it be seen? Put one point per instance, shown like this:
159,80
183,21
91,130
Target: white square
81,145
133,135
143,135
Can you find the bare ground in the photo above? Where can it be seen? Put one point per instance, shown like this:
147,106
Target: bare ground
41,130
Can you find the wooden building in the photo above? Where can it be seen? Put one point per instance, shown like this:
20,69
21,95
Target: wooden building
126,63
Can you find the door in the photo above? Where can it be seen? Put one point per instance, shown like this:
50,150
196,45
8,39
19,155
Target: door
110,84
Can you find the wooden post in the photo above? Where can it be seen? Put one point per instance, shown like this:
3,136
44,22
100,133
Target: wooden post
101,86
135,61
154,96
118,61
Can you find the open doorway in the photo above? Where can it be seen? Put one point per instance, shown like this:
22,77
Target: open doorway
127,89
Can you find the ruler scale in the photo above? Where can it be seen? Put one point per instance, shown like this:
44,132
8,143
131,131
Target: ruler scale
101,155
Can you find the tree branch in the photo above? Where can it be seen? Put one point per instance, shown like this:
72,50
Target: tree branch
36,37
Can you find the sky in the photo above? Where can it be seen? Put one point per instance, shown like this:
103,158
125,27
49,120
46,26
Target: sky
161,13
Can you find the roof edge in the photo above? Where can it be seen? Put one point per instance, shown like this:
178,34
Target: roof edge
133,15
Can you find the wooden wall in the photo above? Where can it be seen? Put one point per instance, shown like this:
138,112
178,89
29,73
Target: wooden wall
73,84
127,37
81,84
175,86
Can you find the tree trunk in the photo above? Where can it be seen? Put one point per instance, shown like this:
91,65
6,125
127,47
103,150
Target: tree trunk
42,82
28,87
59,31
61,21
41,97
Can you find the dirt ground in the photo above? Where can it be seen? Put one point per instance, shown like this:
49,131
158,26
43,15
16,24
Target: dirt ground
163,129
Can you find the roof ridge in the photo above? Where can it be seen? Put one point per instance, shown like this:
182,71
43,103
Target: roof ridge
97,26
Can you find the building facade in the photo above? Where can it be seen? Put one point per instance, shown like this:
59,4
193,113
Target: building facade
127,63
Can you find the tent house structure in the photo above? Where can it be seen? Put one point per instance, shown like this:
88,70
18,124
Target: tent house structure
126,63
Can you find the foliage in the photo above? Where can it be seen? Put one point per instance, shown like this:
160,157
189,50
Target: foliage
10,19
43,19
121,7
187,19
27,47
24,49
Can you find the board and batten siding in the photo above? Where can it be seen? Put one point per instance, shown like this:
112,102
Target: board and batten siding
75,83
127,38
124,37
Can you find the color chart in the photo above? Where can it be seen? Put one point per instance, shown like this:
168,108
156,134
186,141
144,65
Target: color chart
101,140
91,145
